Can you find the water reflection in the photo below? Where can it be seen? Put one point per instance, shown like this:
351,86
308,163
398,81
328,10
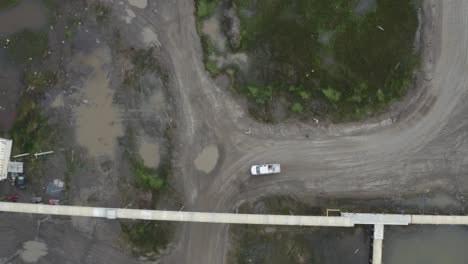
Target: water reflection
426,245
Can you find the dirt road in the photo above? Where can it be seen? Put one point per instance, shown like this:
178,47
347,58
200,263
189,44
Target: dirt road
424,148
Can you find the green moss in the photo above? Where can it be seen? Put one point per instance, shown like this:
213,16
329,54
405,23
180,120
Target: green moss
69,34
27,45
205,8
50,4
260,94
212,68
5,4
73,24
209,50
102,12
332,94
380,96
297,108
39,81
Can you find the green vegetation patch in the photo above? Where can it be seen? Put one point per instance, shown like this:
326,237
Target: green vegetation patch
4,4
346,63
147,237
143,61
283,244
255,244
39,80
102,12
50,4
54,11
147,178
204,10
26,45
212,68
30,130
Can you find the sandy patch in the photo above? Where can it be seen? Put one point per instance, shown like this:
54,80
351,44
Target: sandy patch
129,15
212,29
241,59
157,98
207,159
98,119
149,151
138,3
150,38
58,101
33,251
155,103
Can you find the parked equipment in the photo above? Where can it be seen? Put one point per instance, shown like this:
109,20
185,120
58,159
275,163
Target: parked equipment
20,182
36,200
54,202
13,198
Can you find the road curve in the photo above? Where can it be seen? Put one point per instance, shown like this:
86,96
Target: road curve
424,149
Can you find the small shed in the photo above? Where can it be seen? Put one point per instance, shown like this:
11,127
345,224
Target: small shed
5,152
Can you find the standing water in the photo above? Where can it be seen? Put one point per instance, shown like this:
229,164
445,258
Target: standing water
28,14
426,245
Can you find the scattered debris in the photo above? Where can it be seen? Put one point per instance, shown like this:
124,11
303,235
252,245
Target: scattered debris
55,188
36,200
21,155
54,202
43,153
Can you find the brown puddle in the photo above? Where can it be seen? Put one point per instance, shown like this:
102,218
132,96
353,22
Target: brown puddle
33,251
98,119
149,151
207,159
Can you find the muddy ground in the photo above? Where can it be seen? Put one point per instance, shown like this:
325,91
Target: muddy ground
416,149
99,121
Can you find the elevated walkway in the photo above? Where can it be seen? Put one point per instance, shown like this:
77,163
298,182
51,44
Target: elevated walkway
345,220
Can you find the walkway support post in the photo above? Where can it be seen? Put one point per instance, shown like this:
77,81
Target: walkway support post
378,244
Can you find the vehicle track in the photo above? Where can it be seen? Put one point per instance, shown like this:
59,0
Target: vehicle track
424,148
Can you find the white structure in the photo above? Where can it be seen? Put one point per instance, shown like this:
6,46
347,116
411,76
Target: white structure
15,167
345,220
5,152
